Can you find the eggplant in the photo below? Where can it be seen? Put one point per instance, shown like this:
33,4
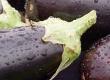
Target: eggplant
96,62
24,56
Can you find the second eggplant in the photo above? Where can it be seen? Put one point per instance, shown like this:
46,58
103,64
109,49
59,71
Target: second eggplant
96,62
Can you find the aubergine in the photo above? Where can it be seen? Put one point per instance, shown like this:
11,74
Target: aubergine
96,62
24,54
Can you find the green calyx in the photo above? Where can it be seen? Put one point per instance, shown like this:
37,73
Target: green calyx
68,34
10,17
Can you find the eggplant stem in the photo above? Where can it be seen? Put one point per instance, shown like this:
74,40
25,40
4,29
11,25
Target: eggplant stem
89,19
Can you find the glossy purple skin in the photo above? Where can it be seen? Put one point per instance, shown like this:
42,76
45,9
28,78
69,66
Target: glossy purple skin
96,63
25,56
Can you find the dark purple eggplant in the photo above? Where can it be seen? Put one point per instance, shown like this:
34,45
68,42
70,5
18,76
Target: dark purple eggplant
96,62
24,56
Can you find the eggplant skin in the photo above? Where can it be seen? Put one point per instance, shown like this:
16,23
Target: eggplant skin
24,56
96,62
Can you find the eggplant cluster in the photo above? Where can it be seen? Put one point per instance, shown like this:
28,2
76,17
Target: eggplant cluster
24,55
